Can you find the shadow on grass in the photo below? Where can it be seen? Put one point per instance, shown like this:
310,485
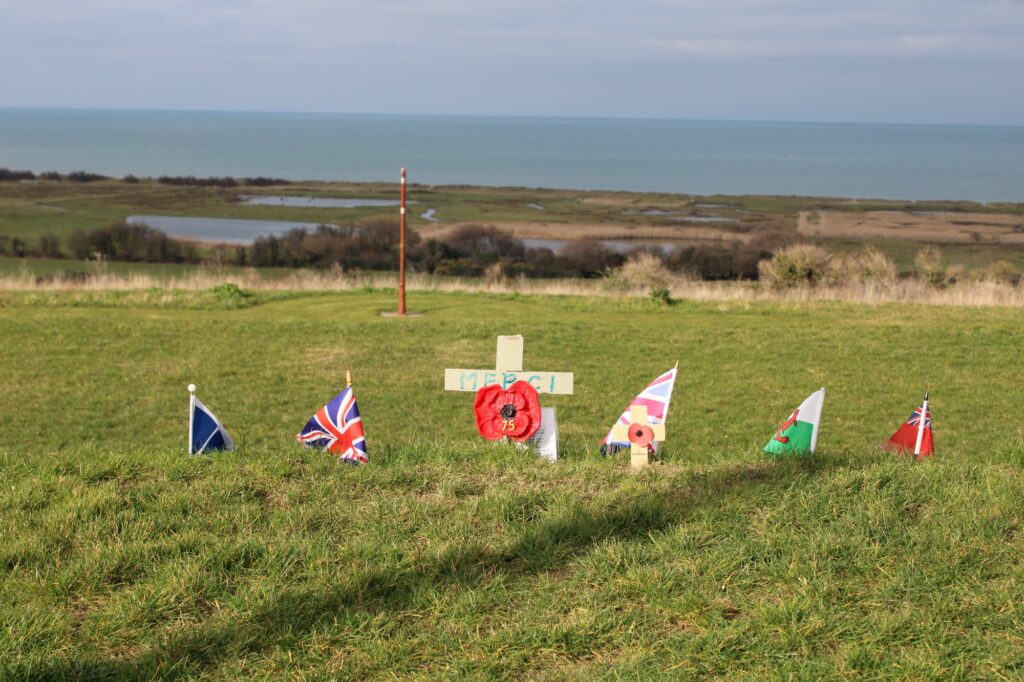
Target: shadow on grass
543,546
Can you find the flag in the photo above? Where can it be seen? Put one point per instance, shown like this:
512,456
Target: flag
205,432
337,428
798,435
656,397
906,438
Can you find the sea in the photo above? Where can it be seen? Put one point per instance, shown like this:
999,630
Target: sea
884,161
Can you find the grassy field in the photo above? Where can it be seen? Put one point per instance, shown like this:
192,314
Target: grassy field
447,557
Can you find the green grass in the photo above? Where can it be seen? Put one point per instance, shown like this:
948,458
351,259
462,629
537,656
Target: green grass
447,557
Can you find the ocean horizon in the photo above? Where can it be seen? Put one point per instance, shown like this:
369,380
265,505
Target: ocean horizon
706,157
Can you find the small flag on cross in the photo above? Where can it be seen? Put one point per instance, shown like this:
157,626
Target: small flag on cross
640,435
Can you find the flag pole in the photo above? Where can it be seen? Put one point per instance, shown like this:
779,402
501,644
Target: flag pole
348,379
191,414
401,250
920,426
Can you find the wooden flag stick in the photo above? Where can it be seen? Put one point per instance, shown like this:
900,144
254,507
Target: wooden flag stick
348,379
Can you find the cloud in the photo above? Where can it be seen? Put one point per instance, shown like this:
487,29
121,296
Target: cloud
346,54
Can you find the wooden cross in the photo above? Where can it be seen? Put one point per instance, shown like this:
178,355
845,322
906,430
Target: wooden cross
640,434
508,369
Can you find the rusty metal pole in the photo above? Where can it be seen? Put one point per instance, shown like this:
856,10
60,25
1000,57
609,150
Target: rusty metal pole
401,251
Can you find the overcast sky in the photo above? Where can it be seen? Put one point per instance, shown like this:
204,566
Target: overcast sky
914,61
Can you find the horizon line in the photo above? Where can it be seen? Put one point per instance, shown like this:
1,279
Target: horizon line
505,116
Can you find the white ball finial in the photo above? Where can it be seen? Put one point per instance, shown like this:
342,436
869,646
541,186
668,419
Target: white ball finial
191,388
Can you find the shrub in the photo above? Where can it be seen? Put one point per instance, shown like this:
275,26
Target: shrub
486,244
83,176
7,175
228,291
797,265
589,258
645,270
869,265
49,246
192,181
12,246
261,181
132,242
929,263
661,296
1001,271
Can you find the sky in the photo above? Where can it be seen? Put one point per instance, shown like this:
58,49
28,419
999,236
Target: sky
902,61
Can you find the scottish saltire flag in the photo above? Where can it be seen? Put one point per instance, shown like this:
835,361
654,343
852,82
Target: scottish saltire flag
798,435
916,434
205,432
337,428
656,397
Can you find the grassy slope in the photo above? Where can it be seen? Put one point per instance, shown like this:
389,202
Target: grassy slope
447,557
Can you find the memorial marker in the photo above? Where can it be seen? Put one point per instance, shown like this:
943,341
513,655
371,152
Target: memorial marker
640,434
508,369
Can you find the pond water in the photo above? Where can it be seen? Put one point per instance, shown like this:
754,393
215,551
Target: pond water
683,217
232,230
242,231
315,202
621,246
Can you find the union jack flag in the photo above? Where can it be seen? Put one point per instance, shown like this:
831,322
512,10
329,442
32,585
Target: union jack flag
915,418
338,428
656,396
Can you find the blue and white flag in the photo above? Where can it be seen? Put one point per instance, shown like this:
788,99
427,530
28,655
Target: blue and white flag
205,432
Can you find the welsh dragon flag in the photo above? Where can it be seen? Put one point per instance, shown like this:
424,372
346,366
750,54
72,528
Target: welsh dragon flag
798,435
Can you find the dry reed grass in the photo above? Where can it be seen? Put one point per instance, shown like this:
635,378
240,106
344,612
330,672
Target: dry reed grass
964,293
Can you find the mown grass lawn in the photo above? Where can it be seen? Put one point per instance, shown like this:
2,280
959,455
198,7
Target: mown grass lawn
449,557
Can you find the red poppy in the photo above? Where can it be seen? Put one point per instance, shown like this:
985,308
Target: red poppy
513,412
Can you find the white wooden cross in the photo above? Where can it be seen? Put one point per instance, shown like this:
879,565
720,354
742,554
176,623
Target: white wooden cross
508,369
640,434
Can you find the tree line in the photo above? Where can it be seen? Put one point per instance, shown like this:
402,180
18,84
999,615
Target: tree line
470,250
9,175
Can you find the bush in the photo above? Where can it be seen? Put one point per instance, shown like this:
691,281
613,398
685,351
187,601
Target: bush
192,181
12,246
49,246
7,175
373,246
485,244
229,293
797,265
132,242
590,258
644,269
929,263
261,181
869,265
82,176
661,296
1001,271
